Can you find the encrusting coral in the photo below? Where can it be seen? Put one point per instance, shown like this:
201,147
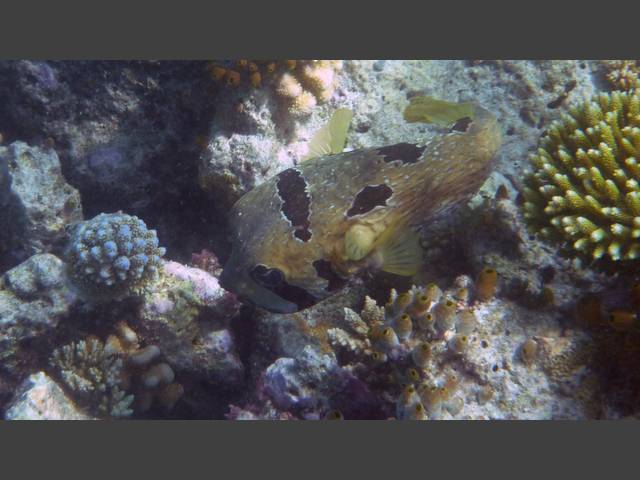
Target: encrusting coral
113,256
301,83
116,377
584,189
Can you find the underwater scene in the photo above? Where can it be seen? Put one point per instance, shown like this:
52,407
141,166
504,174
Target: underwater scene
320,239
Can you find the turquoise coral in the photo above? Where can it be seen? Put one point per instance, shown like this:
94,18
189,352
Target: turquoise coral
584,189
113,256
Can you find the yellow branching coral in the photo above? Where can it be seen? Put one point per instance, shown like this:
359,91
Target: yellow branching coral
584,189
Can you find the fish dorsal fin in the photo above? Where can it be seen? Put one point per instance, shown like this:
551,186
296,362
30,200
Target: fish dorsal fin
426,109
399,250
331,138
358,241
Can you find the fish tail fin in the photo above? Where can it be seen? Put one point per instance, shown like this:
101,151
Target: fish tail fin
400,250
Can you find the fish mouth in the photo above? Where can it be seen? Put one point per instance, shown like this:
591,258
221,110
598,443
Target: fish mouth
236,279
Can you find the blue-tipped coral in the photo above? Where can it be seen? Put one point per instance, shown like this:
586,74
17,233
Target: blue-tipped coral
113,256
584,189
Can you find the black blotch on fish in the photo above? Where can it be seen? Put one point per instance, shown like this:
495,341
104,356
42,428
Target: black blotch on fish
267,277
405,152
325,270
293,294
462,125
292,189
368,198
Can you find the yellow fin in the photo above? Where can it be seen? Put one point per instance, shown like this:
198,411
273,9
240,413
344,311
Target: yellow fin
429,110
400,251
358,241
332,137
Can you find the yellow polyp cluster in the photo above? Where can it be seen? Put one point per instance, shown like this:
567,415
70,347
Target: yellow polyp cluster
529,351
585,187
436,397
302,84
623,316
408,341
486,284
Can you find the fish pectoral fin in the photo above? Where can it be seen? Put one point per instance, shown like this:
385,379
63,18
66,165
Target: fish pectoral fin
400,251
430,110
332,137
358,241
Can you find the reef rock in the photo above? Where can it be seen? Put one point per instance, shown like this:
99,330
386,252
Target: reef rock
37,200
298,383
34,297
187,317
40,398
287,335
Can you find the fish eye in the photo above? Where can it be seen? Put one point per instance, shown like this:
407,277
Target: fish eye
265,276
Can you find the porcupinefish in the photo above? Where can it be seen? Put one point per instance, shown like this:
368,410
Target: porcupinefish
302,234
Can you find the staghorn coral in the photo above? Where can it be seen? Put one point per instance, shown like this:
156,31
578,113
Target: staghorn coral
107,377
113,256
584,189
301,83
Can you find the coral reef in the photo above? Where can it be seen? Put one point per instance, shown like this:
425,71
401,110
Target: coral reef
584,189
162,141
100,375
113,256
